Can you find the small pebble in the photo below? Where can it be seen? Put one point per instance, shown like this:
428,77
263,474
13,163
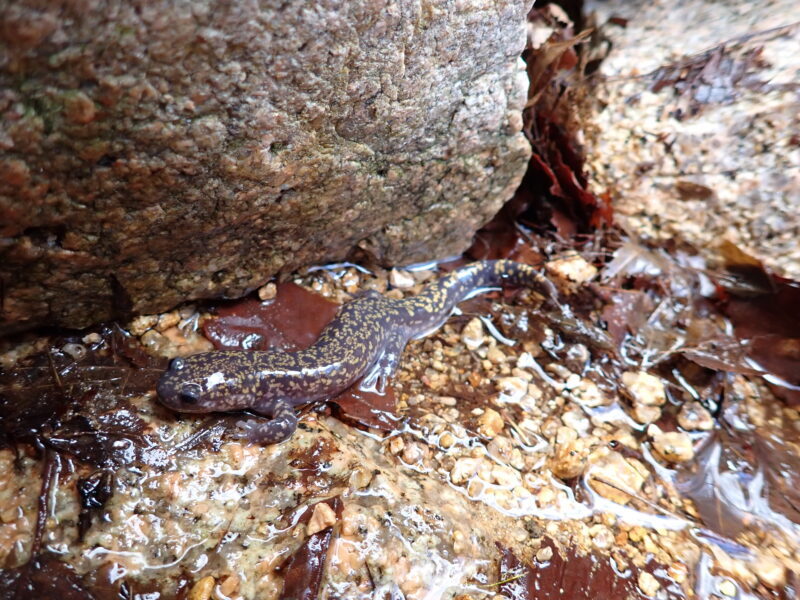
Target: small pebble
529,426
517,460
544,554
322,517
545,497
644,413
569,460
602,537
154,341
505,476
360,478
478,451
565,435
534,391
463,469
416,400
648,584
637,534
167,320
401,279
202,589
413,453
577,356
396,445
451,415
446,440
620,473
549,427
573,268
588,394
472,334
576,420
496,355
268,291
673,446
432,423
572,381
141,324
500,447
512,389
678,572
350,280
646,388
229,585
490,423
726,587
558,370
522,374
693,416
91,338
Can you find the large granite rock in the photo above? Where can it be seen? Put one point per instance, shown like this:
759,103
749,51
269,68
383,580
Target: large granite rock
152,152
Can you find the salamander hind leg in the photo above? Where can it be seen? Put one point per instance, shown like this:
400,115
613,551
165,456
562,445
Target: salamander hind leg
378,377
281,425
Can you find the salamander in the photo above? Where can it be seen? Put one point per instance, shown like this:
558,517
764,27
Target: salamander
365,340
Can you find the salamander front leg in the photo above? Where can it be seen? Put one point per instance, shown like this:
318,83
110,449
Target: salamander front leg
280,427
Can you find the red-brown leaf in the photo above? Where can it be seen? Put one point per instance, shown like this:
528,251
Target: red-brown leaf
291,321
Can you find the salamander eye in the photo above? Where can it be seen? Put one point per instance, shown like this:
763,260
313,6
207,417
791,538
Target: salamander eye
190,393
176,364
188,397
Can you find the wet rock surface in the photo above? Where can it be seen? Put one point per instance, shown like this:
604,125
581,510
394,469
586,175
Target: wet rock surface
495,470
160,152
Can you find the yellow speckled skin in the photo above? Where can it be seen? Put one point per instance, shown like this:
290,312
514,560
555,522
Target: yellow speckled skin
365,339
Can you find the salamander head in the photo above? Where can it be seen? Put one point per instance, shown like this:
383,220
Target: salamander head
201,383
